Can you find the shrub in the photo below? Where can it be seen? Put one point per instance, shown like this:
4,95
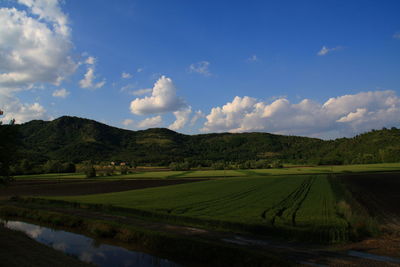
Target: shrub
89,170
124,169
277,164
218,166
179,166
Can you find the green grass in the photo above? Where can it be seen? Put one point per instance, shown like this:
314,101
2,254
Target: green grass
292,170
298,206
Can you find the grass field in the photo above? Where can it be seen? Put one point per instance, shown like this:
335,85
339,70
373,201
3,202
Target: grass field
298,206
291,170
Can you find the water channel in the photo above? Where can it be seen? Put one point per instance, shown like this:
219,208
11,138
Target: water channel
87,249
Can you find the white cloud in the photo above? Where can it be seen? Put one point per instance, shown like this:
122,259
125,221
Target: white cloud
163,99
35,49
88,80
352,116
127,122
126,75
182,117
325,50
396,35
150,122
197,115
253,58
341,116
201,68
90,61
229,117
21,112
49,10
144,91
62,93
34,46
139,70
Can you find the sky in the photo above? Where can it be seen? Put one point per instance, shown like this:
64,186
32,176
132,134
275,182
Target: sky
323,69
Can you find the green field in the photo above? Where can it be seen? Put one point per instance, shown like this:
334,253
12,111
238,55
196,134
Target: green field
296,206
292,170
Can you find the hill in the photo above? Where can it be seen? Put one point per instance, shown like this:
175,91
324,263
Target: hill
76,139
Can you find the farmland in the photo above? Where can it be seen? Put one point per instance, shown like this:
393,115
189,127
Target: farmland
295,202
142,173
289,205
315,205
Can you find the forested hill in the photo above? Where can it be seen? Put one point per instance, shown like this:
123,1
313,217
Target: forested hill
75,139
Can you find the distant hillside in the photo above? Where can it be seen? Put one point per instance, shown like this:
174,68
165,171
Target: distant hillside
76,139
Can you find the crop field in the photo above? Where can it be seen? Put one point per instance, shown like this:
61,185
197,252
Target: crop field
297,206
290,170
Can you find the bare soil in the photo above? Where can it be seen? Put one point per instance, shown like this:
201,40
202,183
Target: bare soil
379,193
81,187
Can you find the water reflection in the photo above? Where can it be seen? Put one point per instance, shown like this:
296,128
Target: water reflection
88,249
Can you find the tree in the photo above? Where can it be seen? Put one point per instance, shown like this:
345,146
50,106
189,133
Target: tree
53,166
7,149
89,169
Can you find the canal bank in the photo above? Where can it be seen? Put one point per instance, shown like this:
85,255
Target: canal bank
87,249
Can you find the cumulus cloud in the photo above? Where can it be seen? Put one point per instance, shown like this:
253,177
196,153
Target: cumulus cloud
325,50
34,46
163,99
88,80
197,115
150,122
201,68
182,118
21,112
396,35
49,10
126,75
341,116
62,93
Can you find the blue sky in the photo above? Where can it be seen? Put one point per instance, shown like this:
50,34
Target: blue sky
315,68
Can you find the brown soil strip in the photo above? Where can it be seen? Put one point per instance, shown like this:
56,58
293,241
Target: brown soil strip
82,187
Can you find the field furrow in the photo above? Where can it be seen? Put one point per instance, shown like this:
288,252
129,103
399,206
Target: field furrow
302,206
